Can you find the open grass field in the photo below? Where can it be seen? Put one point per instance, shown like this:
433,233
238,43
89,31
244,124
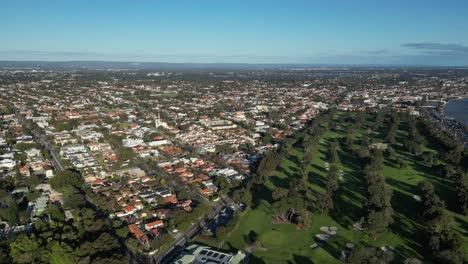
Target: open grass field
284,244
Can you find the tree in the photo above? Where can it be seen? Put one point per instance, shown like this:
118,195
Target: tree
243,195
55,212
125,153
13,218
260,178
401,163
251,237
269,163
332,178
447,246
362,255
74,200
333,153
434,208
391,152
61,253
33,181
325,202
428,157
23,146
105,243
286,208
308,157
279,193
379,119
391,135
24,249
377,222
349,141
363,153
64,179
298,187
122,232
223,184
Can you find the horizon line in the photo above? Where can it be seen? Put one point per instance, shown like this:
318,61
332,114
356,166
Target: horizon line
240,63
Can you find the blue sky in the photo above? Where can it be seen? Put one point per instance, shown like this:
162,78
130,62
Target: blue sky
287,31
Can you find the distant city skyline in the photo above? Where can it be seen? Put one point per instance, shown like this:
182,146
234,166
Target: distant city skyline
297,32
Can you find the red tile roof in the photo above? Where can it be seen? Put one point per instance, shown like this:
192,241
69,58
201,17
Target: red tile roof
171,199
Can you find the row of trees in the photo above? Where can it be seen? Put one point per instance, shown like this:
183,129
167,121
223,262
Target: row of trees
414,142
451,163
462,191
325,200
379,195
453,149
445,244
392,131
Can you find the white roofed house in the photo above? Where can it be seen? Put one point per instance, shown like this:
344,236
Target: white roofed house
230,174
7,163
2,142
25,139
132,142
93,146
33,153
89,135
72,149
157,143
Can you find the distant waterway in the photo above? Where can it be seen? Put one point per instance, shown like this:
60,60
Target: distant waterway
458,110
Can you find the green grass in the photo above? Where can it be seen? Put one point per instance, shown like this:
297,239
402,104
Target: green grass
284,244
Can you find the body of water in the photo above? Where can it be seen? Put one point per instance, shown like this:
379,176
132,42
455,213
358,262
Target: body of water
458,110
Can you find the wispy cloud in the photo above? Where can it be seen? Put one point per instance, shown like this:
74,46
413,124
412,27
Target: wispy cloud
435,48
376,52
44,53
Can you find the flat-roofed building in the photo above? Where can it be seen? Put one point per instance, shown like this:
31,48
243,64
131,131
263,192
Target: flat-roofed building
198,254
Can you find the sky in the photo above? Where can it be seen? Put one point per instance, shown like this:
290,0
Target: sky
409,32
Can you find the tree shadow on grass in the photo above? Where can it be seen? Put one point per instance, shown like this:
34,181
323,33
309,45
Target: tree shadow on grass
401,185
301,260
316,179
332,246
317,167
407,222
256,260
294,159
324,154
351,161
346,213
280,182
390,164
260,193
463,225
231,248
444,187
